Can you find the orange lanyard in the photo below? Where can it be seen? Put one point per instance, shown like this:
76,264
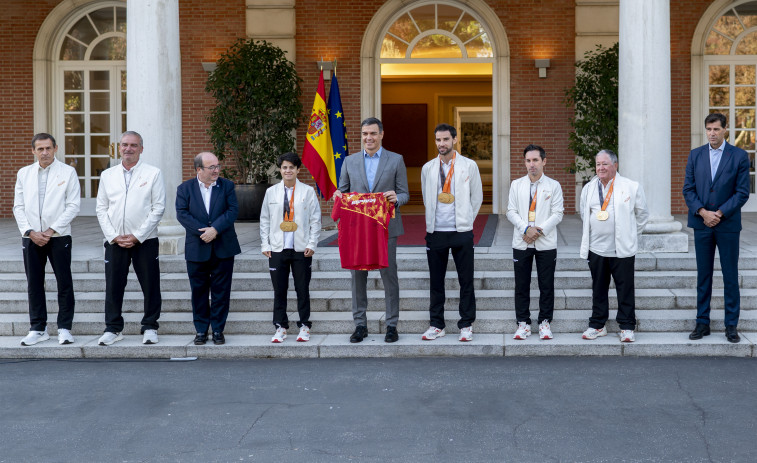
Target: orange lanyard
448,179
289,216
609,194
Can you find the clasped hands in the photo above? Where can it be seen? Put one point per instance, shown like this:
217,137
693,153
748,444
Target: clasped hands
41,238
711,218
532,234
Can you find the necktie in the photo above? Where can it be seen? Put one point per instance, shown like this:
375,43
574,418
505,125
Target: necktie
286,203
601,197
714,162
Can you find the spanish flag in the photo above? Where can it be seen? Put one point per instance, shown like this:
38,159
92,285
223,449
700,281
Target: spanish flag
318,155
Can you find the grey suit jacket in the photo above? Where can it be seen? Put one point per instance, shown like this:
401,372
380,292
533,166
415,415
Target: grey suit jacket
390,175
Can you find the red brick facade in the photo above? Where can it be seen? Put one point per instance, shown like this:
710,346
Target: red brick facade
335,29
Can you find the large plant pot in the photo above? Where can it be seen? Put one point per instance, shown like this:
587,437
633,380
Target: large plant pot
250,199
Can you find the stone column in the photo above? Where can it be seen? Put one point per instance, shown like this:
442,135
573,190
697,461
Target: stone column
644,116
153,99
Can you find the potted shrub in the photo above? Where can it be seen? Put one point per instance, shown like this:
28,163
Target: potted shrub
257,110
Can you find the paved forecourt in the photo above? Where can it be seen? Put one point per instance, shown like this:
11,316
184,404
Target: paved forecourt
665,298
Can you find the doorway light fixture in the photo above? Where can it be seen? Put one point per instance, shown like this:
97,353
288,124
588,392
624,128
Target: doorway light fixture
542,65
327,67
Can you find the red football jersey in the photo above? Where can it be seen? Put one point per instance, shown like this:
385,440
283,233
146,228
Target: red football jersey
363,230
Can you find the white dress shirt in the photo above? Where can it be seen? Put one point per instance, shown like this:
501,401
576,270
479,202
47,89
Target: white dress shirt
206,192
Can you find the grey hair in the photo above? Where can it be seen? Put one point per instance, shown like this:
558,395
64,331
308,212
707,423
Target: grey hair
612,155
131,132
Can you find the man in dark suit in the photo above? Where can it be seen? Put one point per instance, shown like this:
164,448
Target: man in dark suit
207,207
715,189
376,170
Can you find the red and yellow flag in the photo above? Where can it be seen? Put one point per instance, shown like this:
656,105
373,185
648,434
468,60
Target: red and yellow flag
318,155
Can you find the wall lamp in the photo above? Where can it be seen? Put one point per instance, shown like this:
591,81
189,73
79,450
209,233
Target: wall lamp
327,67
542,65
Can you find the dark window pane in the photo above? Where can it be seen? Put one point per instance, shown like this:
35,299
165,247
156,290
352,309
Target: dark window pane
74,123
99,80
103,19
83,31
72,50
72,101
99,101
73,80
113,49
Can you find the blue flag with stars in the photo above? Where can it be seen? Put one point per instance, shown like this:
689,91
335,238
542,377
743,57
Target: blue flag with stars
337,127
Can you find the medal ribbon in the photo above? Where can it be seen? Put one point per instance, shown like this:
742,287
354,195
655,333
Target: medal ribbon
289,215
448,180
609,194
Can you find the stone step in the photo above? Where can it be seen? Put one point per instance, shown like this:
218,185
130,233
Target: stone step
341,301
331,346
95,282
412,259
412,323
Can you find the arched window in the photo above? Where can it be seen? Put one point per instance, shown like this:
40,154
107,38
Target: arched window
90,92
730,58
436,31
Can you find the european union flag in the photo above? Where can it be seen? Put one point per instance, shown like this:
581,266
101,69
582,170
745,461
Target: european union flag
337,127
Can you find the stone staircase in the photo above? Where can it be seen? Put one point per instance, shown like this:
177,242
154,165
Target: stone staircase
665,301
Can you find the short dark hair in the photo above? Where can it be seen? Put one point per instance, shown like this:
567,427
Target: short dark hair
291,157
371,121
542,153
715,117
43,136
446,128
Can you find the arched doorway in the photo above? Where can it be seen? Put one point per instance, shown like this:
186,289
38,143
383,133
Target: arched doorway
409,47
83,76
724,76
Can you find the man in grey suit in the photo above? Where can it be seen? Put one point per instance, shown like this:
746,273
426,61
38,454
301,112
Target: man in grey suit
370,171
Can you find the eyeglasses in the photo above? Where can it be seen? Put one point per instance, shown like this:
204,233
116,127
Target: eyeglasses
215,167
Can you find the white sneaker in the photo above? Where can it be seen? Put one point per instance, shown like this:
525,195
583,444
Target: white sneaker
64,336
432,333
466,334
34,337
280,335
109,338
304,335
150,337
591,333
523,331
626,336
545,331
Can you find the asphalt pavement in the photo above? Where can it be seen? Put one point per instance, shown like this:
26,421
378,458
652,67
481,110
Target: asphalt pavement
380,410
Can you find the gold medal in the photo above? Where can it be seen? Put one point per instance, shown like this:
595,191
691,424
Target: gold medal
603,215
531,216
446,198
288,226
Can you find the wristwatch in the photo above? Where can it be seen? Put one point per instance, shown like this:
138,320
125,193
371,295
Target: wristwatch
27,233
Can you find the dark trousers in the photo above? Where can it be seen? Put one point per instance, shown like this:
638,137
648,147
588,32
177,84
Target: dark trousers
144,258
280,264
546,261
622,272
438,247
211,291
58,251
705,242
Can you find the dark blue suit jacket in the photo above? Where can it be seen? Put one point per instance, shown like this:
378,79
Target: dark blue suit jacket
727,192
190,211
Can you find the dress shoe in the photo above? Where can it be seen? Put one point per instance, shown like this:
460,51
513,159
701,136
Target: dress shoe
218,338
201,339
731,334
391,334
699,331
361,332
